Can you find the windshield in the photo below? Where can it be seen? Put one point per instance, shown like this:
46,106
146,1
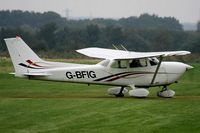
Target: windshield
104,63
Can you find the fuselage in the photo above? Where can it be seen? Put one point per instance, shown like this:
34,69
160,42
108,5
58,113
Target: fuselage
105,73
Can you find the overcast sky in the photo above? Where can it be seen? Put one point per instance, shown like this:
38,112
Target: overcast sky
183,10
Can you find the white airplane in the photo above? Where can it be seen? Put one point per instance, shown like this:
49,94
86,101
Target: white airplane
138,70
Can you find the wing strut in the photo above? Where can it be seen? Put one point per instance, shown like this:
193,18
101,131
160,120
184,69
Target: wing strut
156,72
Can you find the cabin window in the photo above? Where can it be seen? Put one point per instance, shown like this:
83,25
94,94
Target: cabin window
137,63
119,64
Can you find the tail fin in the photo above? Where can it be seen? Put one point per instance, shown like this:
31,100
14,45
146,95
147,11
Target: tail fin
21,54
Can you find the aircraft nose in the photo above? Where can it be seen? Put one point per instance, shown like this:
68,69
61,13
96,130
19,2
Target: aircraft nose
188,67
178,68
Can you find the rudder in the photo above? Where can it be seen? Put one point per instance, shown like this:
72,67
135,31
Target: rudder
21,55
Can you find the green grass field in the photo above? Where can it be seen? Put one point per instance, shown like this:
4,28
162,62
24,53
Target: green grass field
29,106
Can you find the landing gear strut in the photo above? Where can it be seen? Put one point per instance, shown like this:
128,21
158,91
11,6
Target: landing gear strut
120,94
165,92
118,91
164,88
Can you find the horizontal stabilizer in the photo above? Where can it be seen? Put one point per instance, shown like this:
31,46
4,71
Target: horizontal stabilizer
12,73
36,74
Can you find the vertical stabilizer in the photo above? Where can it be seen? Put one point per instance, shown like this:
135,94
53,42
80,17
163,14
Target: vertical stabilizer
21,55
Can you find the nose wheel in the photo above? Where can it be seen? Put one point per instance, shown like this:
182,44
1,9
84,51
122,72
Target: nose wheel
166,93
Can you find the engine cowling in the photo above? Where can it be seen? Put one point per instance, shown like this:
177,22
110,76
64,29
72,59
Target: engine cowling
115,91
139,93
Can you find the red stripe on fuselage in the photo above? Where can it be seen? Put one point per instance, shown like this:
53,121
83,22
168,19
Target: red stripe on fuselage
119,77
31,63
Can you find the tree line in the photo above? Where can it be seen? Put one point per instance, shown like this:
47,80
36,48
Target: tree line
53,35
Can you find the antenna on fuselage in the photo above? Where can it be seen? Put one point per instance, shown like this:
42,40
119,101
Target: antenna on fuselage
115,47
123,48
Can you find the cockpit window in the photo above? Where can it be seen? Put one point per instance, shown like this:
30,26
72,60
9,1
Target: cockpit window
153,61
119,64
129,63
137,63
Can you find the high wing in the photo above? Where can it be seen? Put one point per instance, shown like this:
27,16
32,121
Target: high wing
120,54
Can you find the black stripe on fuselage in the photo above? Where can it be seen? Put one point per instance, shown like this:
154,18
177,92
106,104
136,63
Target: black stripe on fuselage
120,74
24,65
111,76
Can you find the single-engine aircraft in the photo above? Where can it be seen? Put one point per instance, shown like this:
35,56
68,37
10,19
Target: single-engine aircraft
122,68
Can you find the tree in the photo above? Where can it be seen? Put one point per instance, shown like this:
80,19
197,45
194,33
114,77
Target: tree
47,33
163,41
114,35
134,41
193,43
93,33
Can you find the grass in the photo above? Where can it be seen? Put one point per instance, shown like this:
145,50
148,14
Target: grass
30,106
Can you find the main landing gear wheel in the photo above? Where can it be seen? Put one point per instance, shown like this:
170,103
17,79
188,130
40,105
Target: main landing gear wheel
118,91
139,93
166,93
